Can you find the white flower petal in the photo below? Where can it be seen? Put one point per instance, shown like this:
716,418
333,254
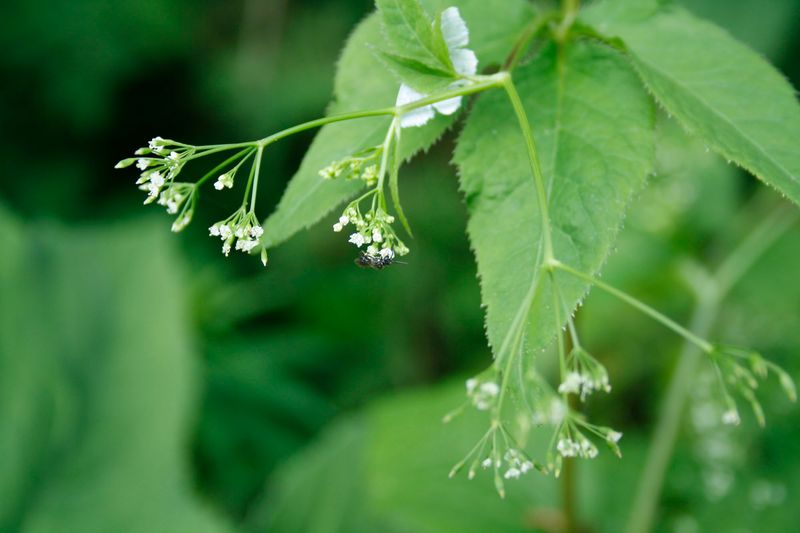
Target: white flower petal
464,61
406,95
415,117
449,106
454,29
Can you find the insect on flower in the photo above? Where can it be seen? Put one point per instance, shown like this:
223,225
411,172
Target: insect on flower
375,261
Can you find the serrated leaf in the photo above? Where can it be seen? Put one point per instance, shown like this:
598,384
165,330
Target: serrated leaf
593,125
717,88
411,33
363,83
419,76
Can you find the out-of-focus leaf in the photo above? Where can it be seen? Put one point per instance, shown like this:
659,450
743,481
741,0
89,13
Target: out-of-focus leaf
98,382
389,465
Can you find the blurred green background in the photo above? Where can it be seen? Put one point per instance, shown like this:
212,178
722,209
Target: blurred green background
149,384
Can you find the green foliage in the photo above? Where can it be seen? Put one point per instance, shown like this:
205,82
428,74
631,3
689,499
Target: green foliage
97,383
717,88
593,163
413,36
361,83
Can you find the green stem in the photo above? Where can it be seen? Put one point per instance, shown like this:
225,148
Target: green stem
665,435
256,172
530,32
641,306
569,10
213,172
479,84
663,440
536,168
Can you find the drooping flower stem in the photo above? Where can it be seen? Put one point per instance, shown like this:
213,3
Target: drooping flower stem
710,290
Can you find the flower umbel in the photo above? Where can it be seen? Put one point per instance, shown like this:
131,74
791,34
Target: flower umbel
242,227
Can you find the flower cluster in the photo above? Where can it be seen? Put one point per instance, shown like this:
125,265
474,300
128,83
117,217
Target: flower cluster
362,165
179,199
373,229
517,463
585,374
160,162
482,392
569,440
740,370
242,227
497,450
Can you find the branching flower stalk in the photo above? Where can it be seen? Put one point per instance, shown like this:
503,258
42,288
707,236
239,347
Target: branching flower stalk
580,374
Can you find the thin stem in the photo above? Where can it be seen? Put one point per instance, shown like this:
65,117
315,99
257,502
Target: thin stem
666,432
249,183
479,84
536,169
213,171
641,306
530,32
569,10
256,172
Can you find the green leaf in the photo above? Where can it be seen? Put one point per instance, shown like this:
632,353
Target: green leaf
718,89
593,126
97,383
418,75
410,32
362,83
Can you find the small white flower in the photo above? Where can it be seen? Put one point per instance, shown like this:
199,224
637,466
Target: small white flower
213,231
256,231
613,436
344,220
490,388
226,248
571,384
337,227
487,463
386,253
155,143
731,417
512,473
142,164
357,239
174,156
376,235
471,383
371,250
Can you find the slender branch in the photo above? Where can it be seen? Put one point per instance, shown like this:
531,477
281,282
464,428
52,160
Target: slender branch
256,172
536,168
665,435
213,172
641,306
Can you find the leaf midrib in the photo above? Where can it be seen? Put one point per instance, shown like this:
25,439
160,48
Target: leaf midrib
414,33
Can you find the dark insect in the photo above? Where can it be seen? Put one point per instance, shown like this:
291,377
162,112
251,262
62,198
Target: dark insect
374,262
